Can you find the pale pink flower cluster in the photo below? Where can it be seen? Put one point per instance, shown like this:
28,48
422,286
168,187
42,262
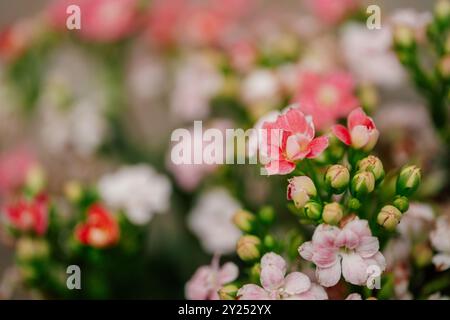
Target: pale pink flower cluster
276,285
349,251
207,280
440,239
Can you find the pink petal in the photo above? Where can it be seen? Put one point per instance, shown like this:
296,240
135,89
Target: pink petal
279,167
368,246
378,260
317,146
360,227
342,134
306,250
274,260
325,236
354,269
296,121
328,277
354,296
229,272
271,278
355,118
360,136
252,292
441,261
325,257
296,283
347,238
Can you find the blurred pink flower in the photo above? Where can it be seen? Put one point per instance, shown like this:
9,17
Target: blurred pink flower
354,296
29,216
327,98
15,165
288,139
207,280
332,11
361,132
349,251
276,285
101,20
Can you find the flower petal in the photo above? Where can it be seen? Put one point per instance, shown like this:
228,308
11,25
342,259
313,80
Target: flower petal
354,296
355,118
271,278
296,283
342,133
274,260
441,261
229,272
368,246
354,269
306,250
279,167
328,277
325,257
317,146
360,136
252,292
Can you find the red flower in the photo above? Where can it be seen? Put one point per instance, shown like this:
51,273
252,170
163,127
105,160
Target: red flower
29,216
288,139
361,132
327,98
100,229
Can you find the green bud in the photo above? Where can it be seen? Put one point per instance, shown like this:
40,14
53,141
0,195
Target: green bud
389,217
228,292
269,242
332,213
313,210
408,181
244,220
255,272
363,183
374,165
248,248
401,203
266,214
337,178
354,204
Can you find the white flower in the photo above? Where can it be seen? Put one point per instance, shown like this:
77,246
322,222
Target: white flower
139,190
261,86
440,239
416,221
369,56
197,80
210,220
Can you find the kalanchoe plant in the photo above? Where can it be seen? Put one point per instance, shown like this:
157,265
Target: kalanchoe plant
348,201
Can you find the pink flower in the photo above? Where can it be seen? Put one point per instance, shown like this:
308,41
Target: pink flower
349,251
277,286
440,239
207,280
326,98
288,139
361,132
101,20
15,165
332,11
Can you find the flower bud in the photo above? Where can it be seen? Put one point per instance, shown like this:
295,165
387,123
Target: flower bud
374,165
363,183
269,242
332,213
35,179
248,248
337,177
244,220
313,210
442,10
266,215
389,217
401,203
30,249
404,36
300,189
228,292
408,181
354,204
444,67
73,191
